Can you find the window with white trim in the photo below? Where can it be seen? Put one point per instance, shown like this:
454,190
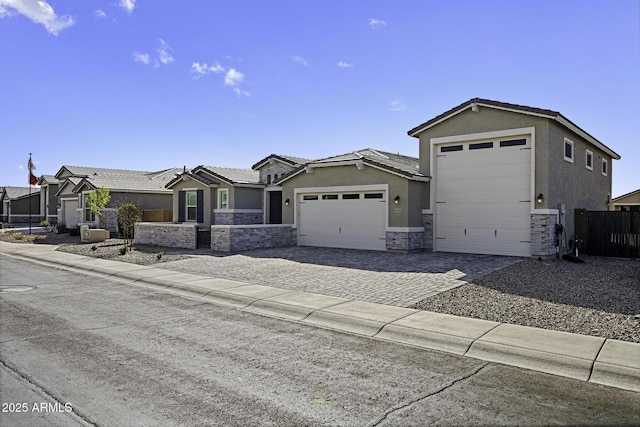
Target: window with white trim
88,215
605,167
568,150
192,205
589,160
223,198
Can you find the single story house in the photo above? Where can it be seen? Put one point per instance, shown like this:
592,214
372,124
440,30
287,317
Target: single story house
503,175
143,188
48,200
627,202
20,204
213,206
208,195
273,168
365,199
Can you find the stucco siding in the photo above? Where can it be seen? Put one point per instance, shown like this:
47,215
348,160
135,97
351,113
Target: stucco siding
572,184
349,175
208,199
485,120
141,200
247,198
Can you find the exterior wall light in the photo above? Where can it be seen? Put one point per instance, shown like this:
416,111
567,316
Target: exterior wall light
396,200
286,202
540,198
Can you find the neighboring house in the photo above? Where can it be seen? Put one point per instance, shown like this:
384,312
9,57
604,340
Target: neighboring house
365,199
503,175
271,169
20,204
143,188
48,200
208,195
627,202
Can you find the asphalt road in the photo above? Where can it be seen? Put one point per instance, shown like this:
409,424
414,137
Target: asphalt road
76,350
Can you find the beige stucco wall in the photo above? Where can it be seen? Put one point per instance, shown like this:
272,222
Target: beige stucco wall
209,198
246,198
572,184
558,180
632,199
405,214
485,120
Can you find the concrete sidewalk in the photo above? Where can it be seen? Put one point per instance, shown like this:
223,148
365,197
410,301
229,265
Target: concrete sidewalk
593,359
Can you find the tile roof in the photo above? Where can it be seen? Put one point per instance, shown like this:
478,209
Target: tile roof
291,160
550,114
231,175
406,166
12,193
121,179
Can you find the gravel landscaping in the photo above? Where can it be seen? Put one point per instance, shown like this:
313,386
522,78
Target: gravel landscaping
109,249
600,297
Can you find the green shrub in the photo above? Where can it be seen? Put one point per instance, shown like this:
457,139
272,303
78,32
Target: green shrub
159,255
123,250
94,247
44,223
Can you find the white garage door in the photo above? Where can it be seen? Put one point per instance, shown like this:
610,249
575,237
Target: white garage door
483,197
70,212
354,220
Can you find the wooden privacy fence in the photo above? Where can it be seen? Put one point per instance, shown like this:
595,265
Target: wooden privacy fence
613,233
157,215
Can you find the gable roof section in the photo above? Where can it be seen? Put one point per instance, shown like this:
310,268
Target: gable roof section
116,179
47,179
199,177
232,176
398,164
288,160
624,196
13,193
522,109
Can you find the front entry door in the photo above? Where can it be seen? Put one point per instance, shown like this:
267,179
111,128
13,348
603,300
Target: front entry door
275,207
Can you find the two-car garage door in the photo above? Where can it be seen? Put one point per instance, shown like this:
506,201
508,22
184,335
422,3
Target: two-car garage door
483,197
342,219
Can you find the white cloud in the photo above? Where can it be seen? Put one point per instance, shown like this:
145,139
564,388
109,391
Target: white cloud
376,23
240,92
300,60
397,105
164,52
343,64
203,69
128,5
100,14
145,58
163,56
39,12
233,77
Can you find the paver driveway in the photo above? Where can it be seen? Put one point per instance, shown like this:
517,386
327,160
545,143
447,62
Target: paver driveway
381,277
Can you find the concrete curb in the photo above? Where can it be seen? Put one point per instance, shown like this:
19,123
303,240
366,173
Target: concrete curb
598,360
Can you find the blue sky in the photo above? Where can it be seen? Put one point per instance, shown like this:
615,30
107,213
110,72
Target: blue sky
153,84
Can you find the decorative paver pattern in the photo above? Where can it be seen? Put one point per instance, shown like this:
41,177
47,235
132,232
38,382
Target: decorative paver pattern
387,278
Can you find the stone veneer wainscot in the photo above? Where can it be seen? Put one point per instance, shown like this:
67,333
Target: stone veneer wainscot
166,234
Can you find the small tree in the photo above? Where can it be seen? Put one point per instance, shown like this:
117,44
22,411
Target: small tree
128,215
97,201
